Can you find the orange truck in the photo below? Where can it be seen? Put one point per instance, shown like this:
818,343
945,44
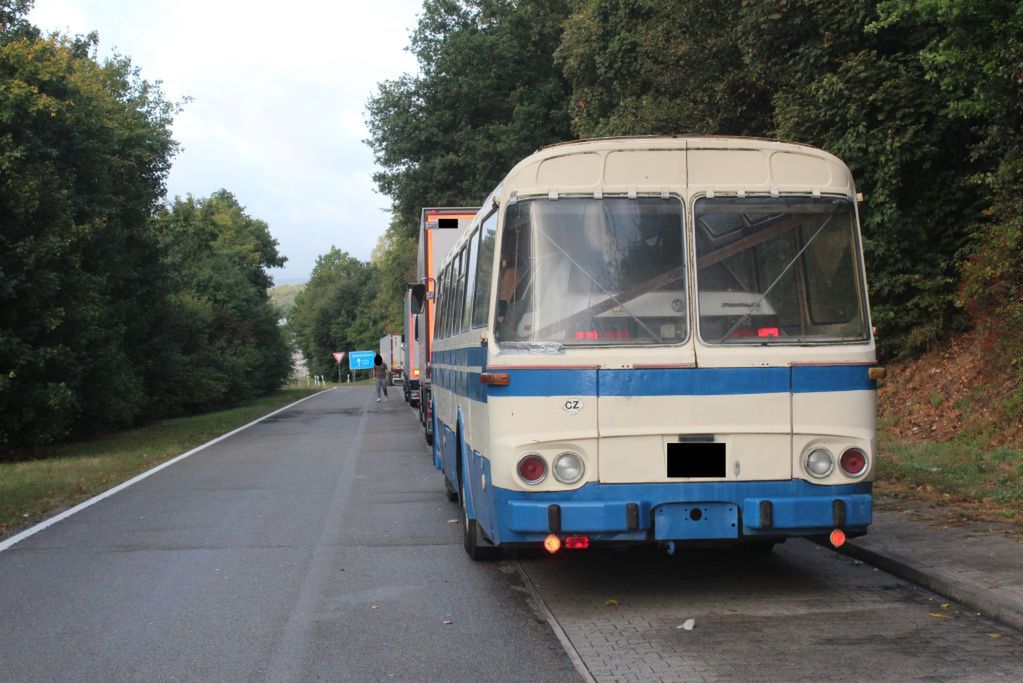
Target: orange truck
439,230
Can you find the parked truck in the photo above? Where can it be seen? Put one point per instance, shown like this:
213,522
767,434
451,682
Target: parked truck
439,230
390,351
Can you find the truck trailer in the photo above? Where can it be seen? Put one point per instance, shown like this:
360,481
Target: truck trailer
390,351
439,230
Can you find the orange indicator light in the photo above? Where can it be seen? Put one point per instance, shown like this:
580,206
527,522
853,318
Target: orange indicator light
837,538
552,544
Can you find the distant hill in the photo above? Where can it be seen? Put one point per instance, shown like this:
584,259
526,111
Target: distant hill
283,297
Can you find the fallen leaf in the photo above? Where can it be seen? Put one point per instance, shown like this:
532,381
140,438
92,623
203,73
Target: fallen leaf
939,615
994,635
452,521
374,606
944,605
611,602
448,622
687,625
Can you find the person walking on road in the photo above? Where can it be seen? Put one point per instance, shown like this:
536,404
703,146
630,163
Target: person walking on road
380,375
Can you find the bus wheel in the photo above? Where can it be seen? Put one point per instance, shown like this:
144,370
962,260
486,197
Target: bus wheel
472,539
450,491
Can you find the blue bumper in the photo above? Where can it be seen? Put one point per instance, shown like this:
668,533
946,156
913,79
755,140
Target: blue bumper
682,511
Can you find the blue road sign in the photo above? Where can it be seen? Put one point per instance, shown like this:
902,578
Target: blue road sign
361,360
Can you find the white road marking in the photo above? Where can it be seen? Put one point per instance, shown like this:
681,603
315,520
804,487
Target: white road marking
31,531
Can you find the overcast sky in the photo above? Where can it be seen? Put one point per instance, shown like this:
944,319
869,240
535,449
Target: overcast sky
279,94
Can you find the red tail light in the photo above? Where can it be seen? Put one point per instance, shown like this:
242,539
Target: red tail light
532,468
854,462
577,542
768,332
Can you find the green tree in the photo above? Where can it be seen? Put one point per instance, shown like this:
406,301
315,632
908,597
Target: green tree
860,91
222,342
656,67
488,94
977,61
334,311
84,151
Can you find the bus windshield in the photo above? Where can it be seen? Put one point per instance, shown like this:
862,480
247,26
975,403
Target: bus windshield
586,271
778,271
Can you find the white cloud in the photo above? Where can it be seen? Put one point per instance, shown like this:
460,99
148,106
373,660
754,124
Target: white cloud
278,101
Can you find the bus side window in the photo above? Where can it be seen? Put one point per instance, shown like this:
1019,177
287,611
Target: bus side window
515,291
438,323
470,280
458,309
485,271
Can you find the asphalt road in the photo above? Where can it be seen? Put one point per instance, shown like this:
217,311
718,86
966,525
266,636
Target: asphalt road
319,545
316,545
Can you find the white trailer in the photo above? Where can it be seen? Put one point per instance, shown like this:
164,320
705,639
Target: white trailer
390,351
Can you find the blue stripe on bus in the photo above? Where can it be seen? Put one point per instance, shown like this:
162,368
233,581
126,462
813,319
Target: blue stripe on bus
646,382
472,356
694,382
818,378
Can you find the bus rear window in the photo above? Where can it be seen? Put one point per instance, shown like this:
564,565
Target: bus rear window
786,272
585,271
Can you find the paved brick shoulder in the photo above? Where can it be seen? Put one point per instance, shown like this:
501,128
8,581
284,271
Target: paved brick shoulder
978,565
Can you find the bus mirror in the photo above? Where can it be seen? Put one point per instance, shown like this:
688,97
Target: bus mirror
418,298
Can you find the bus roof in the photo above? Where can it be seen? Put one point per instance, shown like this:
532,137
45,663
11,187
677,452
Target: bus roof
688,165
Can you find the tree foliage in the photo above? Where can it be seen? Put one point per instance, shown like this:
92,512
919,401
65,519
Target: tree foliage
650,67
84,150
107,314
335,311
488,94
224,343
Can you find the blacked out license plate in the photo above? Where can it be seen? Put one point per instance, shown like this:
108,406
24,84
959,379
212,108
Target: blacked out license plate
696,460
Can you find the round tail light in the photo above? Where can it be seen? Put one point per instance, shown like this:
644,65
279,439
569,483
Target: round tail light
532,468
854,462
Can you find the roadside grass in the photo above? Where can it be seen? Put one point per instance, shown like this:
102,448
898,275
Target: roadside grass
65,475
975,481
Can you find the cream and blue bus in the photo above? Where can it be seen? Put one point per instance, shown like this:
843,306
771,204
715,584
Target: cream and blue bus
658,340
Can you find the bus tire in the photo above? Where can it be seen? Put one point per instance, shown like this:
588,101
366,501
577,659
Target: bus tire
472,539
450,491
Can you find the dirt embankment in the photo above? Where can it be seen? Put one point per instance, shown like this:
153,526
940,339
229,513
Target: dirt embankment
958,390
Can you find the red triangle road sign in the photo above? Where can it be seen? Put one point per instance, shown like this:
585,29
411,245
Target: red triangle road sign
338,355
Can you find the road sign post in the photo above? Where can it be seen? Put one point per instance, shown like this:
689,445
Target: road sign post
338,355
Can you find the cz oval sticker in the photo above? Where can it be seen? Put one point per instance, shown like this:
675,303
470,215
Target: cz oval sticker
572,405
